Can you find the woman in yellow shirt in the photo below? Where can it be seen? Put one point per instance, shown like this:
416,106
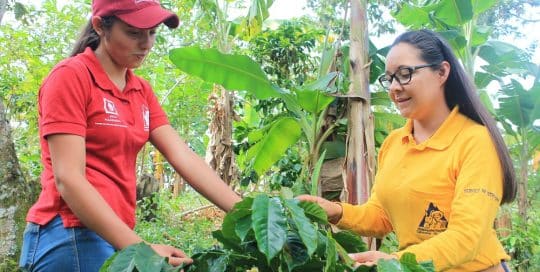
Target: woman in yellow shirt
442,177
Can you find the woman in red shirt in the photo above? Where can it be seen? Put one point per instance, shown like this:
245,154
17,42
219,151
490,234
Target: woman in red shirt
94,117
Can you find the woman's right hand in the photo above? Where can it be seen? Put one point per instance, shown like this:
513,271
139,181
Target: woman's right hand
175,255
333,210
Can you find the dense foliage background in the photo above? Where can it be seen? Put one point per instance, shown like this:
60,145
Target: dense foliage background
293,54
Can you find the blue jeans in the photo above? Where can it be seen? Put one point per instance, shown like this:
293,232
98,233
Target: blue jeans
53,247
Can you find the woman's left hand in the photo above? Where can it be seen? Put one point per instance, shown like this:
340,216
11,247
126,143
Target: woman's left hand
370,258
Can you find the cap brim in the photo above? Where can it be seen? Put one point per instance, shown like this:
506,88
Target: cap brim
149,17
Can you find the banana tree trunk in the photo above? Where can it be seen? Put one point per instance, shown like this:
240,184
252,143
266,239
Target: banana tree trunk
219,153
523,201
16,194
360,159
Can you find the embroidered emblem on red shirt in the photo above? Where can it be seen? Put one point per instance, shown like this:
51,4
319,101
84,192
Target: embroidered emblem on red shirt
112,117
109,107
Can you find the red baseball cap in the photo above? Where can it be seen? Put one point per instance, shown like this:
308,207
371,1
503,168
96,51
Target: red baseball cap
138,13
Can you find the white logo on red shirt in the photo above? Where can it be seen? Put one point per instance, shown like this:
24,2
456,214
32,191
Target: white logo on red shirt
146,117
112,117
109,106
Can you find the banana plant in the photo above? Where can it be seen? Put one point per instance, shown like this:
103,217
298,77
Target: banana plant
305,104
220,155
518,111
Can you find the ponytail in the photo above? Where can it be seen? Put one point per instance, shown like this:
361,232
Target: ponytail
89,37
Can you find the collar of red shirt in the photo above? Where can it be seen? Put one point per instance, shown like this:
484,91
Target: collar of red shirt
443,137
101,78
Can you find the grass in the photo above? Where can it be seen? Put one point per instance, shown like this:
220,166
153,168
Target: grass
177,221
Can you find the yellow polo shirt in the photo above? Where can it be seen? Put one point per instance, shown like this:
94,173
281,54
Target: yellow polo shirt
440,197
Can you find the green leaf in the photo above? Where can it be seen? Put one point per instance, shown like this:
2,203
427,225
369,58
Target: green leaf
315,175
314,212
108,262
140,256
306,230
291,102
519,106
251,116
331,254
322,241
295,251
243,226
388,121
486,100
376,68
345,60
380,99
217,265
392,265
211,261
241,216
428,266
322,83
230,228
269,225
230,221
313,102
412,16
480,6
409,263
505,59
454,12
256,135
227,242
482,80
312,97
343,256
365,268
234,72
258,12
480,35
350,241
328,56
455,38
284,132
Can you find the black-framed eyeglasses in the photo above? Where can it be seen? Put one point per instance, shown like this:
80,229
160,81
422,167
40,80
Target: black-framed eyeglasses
403,75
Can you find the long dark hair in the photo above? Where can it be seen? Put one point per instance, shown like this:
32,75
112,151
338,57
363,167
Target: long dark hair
460,90
89,36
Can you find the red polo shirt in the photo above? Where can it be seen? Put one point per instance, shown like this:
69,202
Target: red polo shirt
79,98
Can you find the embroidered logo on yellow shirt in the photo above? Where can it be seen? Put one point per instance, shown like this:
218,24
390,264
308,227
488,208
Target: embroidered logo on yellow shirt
433,222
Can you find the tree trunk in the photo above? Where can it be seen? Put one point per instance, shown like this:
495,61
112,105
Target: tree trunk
360,159
3,7
503,223
523,201
219,153
15,193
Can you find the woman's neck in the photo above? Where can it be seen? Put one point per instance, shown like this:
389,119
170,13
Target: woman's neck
424,128
116,73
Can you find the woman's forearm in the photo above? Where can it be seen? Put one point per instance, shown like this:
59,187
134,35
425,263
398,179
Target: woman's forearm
94,212
193,168
68,162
